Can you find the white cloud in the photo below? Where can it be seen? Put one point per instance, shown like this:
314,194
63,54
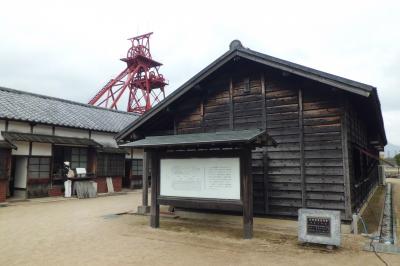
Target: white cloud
71,49
392,119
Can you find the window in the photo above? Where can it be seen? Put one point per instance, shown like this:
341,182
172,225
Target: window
101,164
39,167
246,85
78,158
109,164
116,166
137,167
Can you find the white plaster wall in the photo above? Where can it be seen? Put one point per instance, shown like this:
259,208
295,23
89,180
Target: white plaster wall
105,139
41,149
19,127
128,153
42,129
71,132
21,172
2,128
135,154
22,148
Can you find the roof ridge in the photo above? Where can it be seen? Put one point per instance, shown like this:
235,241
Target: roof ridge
62,100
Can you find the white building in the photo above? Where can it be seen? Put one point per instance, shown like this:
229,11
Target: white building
39,133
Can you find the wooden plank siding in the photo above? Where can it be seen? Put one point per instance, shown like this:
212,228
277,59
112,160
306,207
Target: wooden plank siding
323,149
282,108
363,170
304,118
247,114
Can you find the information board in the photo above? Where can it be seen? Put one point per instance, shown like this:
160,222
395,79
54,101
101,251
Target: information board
217,178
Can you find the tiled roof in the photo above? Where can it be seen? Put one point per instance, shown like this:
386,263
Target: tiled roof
25,106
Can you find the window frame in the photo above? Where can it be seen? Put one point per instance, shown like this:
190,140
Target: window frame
41,166
138,163
110,165
81,154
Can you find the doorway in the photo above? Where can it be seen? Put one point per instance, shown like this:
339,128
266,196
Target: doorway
19,173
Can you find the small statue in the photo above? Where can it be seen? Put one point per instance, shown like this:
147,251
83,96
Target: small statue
67,172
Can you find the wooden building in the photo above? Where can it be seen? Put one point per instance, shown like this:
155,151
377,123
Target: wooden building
39,133
329,129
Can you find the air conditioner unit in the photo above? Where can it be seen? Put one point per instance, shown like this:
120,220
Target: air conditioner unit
319,226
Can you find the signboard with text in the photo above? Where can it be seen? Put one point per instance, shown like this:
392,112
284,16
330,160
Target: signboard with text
217,178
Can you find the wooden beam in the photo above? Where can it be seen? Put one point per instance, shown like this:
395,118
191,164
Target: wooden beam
155,178
199,203
175,126
266,180
301,143
92,160
247,193
231,123
265,152
264,104
145,181
202,111
346,172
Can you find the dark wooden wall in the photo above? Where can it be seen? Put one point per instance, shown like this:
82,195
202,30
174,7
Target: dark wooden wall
306,168
309,120
363,169
323,157
284,172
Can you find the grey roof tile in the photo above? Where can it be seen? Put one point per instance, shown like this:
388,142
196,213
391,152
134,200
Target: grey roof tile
25,106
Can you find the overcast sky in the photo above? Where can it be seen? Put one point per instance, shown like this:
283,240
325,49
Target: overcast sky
70,49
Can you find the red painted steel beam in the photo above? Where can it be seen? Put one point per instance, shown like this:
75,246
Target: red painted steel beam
141,80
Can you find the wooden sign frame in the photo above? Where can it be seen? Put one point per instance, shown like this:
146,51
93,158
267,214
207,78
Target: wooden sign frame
245,204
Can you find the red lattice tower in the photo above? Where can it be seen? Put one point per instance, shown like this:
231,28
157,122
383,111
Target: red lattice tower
140,80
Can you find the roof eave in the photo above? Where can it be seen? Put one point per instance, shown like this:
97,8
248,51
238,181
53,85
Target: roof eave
33,121
250,56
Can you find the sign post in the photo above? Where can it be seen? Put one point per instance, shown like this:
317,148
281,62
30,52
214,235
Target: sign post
218,180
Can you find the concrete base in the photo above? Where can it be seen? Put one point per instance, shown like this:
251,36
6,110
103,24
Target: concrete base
333,238
143,209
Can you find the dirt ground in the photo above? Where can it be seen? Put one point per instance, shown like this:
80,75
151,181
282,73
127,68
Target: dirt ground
88,232
373,211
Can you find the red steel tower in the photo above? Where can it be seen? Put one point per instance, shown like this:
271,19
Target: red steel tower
140,80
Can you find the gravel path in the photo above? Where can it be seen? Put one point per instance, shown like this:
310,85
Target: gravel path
87,232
